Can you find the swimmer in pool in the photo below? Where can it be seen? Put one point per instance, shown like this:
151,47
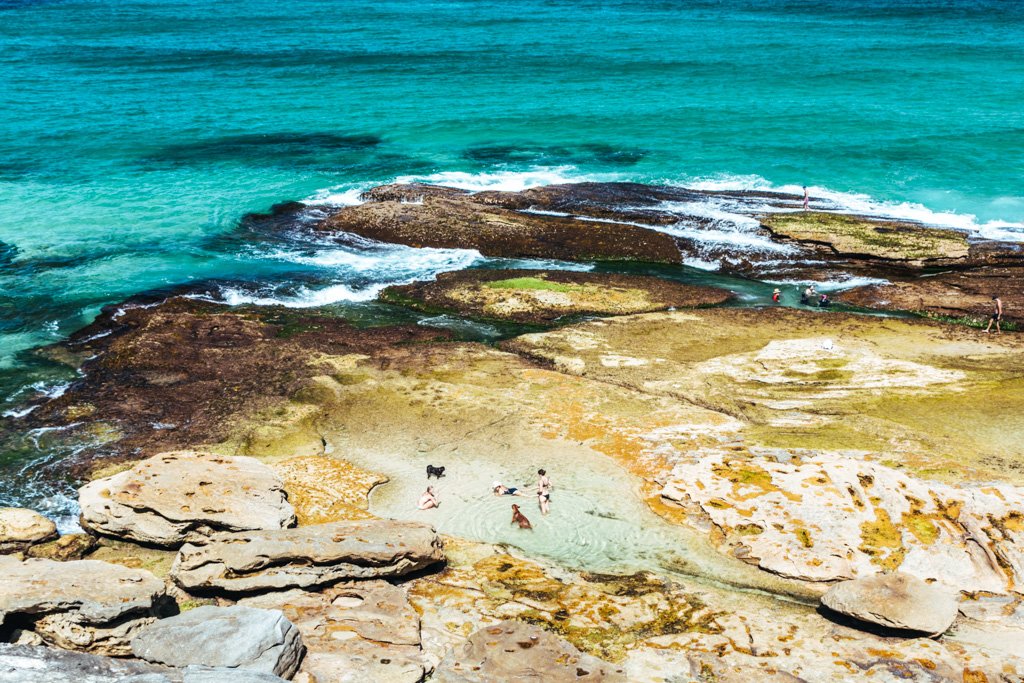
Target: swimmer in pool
500,489
428,499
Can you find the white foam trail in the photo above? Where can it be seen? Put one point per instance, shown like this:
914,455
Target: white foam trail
509,181
862,204
833,285
378,265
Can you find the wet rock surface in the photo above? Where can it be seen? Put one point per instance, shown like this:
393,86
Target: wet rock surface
184,496
21,528
181,373
541,297
895,600
307,556
235,637
81,605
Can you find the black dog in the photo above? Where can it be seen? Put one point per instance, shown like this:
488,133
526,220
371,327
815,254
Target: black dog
435,471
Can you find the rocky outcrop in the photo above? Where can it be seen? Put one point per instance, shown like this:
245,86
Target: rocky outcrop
353,632
830,517
897,601
858,236
65,548
543,296
515,651
81,605
953,295
185,496
307,556
236,637
157,372
28,664
457,221
21,528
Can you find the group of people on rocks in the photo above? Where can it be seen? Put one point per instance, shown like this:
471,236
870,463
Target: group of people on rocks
809,297
430,500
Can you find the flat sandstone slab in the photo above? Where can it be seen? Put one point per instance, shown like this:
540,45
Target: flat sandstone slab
185,496
307,556
542,296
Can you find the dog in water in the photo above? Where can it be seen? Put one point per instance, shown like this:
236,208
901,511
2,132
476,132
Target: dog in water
435,471
520,519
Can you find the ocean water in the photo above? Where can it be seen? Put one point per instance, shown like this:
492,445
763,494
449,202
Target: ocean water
134,134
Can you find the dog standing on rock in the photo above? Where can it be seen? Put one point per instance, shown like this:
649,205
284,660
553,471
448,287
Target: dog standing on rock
435,471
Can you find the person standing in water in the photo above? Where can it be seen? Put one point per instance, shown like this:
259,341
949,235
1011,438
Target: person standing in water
776,295
997,315
807,199
543,492
809,296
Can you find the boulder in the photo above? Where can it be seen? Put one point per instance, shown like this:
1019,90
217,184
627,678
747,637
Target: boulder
233,637
81,605
353,632
897,600
516,651
307,556
184,496
65,548
21,528
31,664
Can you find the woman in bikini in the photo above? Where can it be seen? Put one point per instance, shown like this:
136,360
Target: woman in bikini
543,492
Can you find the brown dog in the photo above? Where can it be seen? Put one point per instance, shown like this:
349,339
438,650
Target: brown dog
520,519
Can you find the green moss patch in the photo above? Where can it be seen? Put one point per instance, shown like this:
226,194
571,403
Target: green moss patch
529,283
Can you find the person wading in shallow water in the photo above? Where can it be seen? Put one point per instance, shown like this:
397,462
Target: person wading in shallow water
997,315
776,295
543,492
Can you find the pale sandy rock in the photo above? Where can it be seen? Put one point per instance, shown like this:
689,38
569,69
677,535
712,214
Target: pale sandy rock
27,664
829,517
21,528
324,489
353,632
236,637
83,604
516,651
184,496
307,556
894,600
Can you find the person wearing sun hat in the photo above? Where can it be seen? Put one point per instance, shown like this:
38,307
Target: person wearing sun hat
776,295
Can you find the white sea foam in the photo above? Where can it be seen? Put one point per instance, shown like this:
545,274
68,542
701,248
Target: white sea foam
359,270
862,204
509,181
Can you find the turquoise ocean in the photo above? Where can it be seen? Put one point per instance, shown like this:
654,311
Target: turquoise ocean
134,135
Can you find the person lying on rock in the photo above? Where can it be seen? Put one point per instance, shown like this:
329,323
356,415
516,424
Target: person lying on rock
428,499
500,489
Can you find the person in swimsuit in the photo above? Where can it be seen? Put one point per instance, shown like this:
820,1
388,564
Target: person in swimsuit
428,499
807,199
808,296
997,315
502,490
824,302
776,295
543,492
